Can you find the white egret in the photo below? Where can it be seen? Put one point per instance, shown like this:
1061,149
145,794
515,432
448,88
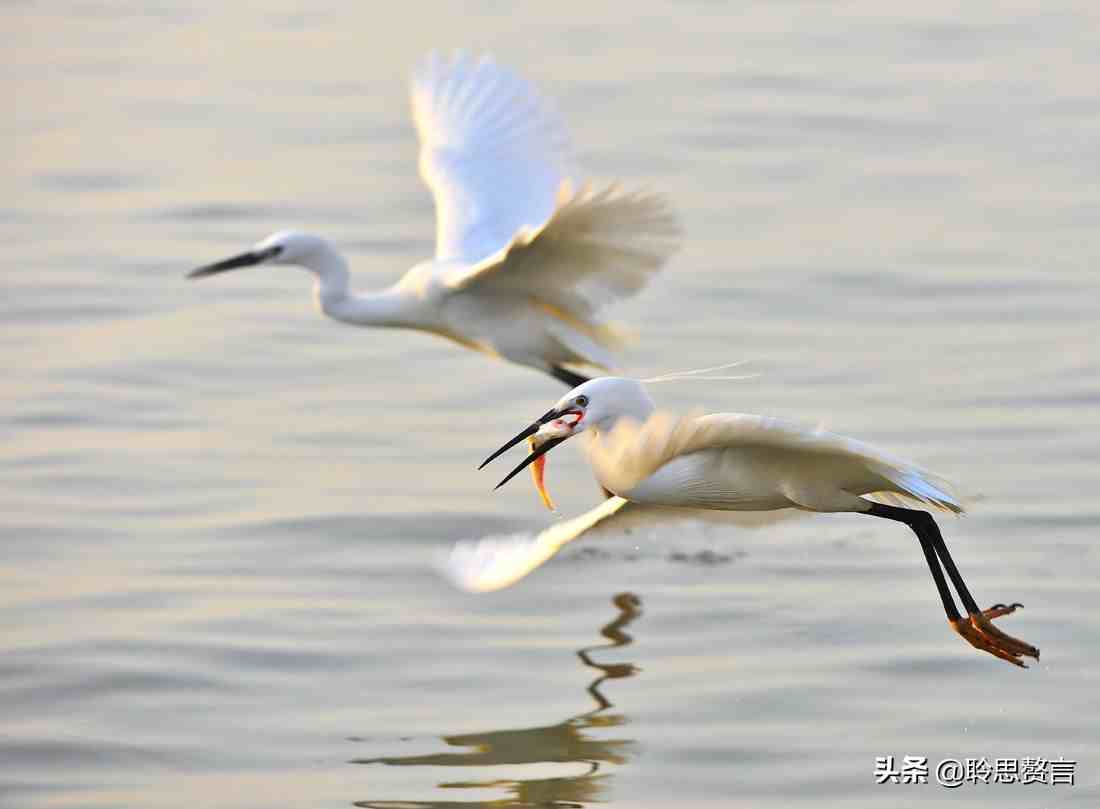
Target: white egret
525,257
740,462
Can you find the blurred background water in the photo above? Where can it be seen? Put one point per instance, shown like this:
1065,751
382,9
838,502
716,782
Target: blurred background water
220,510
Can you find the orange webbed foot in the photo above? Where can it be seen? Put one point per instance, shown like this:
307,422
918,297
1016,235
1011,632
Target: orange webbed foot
978,630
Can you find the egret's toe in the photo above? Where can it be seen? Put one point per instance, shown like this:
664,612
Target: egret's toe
980,640
983,623
997,610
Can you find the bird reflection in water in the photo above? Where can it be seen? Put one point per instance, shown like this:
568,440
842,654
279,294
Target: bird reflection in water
564,742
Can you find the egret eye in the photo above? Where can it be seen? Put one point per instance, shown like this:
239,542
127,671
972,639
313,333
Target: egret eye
582,401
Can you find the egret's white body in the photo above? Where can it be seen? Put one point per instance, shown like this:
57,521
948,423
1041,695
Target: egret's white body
734,462
728,462
731,461
525,256
742,462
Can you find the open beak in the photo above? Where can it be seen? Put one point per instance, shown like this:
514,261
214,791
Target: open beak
249,259
545,418
540,445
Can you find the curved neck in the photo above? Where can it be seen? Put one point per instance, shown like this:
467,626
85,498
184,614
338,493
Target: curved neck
390,307
394,306
331,271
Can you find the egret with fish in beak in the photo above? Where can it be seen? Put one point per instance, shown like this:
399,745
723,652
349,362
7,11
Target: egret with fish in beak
742,462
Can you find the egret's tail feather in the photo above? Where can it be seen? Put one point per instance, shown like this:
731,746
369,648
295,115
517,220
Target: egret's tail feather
578,347
919,485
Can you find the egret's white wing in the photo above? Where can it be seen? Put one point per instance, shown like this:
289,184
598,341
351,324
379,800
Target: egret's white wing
492,150
493,563
496,562
633,451
599,247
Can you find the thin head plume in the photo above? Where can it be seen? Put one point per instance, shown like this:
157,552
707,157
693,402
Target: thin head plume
701,374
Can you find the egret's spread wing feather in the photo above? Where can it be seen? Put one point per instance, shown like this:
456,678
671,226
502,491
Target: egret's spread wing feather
492,150
600,246
494,563
633,451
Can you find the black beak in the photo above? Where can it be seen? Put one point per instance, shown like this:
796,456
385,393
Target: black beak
249,259
538,453
545,418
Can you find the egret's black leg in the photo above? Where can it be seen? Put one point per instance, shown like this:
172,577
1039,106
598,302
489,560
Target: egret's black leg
568,377
924,526
906,516
978,627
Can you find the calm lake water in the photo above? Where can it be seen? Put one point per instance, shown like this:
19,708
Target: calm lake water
220,511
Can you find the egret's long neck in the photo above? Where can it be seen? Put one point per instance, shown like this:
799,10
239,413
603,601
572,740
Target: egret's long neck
331,272
331,292
629,400
389,307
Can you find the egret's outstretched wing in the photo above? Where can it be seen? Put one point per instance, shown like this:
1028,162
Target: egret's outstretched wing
493,563
599,246
492,150
632,451
496,562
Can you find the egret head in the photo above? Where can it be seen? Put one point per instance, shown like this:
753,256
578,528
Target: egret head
595,405
284,247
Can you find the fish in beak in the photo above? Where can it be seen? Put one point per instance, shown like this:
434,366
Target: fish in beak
551,429
538,470
249,259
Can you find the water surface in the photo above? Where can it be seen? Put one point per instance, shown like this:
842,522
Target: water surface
220,510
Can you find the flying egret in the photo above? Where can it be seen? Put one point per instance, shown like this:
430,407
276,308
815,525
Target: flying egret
525,257
740,462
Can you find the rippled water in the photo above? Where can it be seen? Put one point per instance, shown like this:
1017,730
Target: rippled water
220,511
